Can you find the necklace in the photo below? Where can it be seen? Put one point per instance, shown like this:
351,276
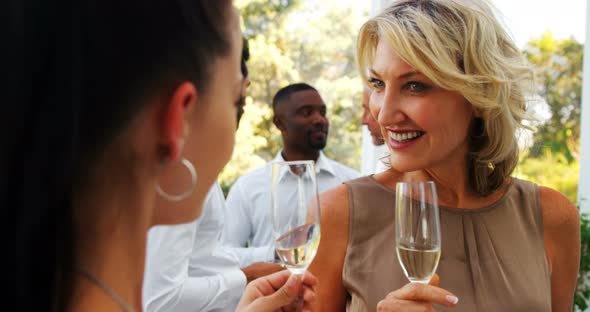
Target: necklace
111,292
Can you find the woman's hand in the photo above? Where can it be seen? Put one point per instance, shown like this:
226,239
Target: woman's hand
278,292
417,297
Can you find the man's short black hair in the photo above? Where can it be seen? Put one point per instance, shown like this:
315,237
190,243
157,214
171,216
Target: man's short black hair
285,92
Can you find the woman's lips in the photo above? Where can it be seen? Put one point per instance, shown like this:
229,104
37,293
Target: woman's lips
404,139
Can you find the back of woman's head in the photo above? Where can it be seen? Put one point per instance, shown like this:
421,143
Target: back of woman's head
81,70
461,46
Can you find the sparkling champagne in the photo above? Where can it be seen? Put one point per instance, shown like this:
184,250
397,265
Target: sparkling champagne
298,247
418,264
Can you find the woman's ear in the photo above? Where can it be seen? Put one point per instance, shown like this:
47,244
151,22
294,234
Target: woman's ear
477,113
174,123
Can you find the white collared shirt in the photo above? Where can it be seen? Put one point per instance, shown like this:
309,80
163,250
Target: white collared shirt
187,268
247,210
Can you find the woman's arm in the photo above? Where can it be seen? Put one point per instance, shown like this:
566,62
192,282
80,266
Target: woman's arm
329,261
561,223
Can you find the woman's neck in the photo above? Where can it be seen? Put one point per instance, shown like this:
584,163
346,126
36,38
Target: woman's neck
111,238
452,184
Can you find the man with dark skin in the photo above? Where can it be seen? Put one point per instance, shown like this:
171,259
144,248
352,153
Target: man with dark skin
300,115
303,123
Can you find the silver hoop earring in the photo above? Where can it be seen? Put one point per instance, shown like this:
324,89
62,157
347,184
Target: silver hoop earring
179,197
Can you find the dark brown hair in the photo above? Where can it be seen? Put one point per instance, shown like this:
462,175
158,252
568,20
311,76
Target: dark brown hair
79,72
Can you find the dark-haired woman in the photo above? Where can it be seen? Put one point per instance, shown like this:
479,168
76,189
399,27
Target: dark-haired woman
119,116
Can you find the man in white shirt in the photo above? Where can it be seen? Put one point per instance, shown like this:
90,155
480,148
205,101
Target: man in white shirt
300,115
381,151
187,268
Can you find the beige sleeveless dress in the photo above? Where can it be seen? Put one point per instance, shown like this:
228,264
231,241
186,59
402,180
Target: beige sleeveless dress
493,258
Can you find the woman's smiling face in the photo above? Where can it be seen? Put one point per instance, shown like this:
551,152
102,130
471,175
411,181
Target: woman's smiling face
423,124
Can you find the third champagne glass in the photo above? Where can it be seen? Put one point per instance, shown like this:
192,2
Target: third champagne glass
417,230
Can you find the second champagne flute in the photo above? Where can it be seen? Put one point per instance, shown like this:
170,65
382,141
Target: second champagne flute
417,230
295,213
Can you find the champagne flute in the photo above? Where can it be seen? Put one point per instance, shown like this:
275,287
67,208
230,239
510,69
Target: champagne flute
295,213
417,230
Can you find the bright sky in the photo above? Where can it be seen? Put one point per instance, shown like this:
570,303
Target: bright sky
528,19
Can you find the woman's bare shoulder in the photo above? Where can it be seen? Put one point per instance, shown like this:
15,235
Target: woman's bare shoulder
334,202
561,224
559,213
561,227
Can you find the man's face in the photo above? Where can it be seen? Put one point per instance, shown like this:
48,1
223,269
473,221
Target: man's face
304,121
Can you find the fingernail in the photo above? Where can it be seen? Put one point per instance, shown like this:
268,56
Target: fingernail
452,299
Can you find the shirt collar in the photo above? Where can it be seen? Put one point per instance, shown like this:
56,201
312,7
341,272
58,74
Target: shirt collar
321,164
324,164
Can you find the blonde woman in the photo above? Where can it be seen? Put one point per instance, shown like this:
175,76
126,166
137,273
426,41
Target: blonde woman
449,93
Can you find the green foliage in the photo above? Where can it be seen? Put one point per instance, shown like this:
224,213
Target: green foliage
559,76
244,155
582,295
259,15
269,68
551,170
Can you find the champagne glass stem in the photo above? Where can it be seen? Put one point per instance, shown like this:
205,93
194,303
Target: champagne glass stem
299,302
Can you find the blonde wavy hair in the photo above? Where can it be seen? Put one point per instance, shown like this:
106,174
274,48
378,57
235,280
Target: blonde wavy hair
461,46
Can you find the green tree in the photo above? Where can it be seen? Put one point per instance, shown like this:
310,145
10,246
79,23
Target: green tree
261,15
322,42
269,67
551,170
559,64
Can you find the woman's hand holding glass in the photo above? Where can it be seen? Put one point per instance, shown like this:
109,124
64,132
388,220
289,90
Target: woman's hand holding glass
418,248
279,291
417,297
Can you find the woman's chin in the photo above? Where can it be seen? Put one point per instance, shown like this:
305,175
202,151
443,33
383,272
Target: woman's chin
405,166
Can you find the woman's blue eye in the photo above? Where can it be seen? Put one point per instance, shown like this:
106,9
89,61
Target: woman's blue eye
417,86
376,83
